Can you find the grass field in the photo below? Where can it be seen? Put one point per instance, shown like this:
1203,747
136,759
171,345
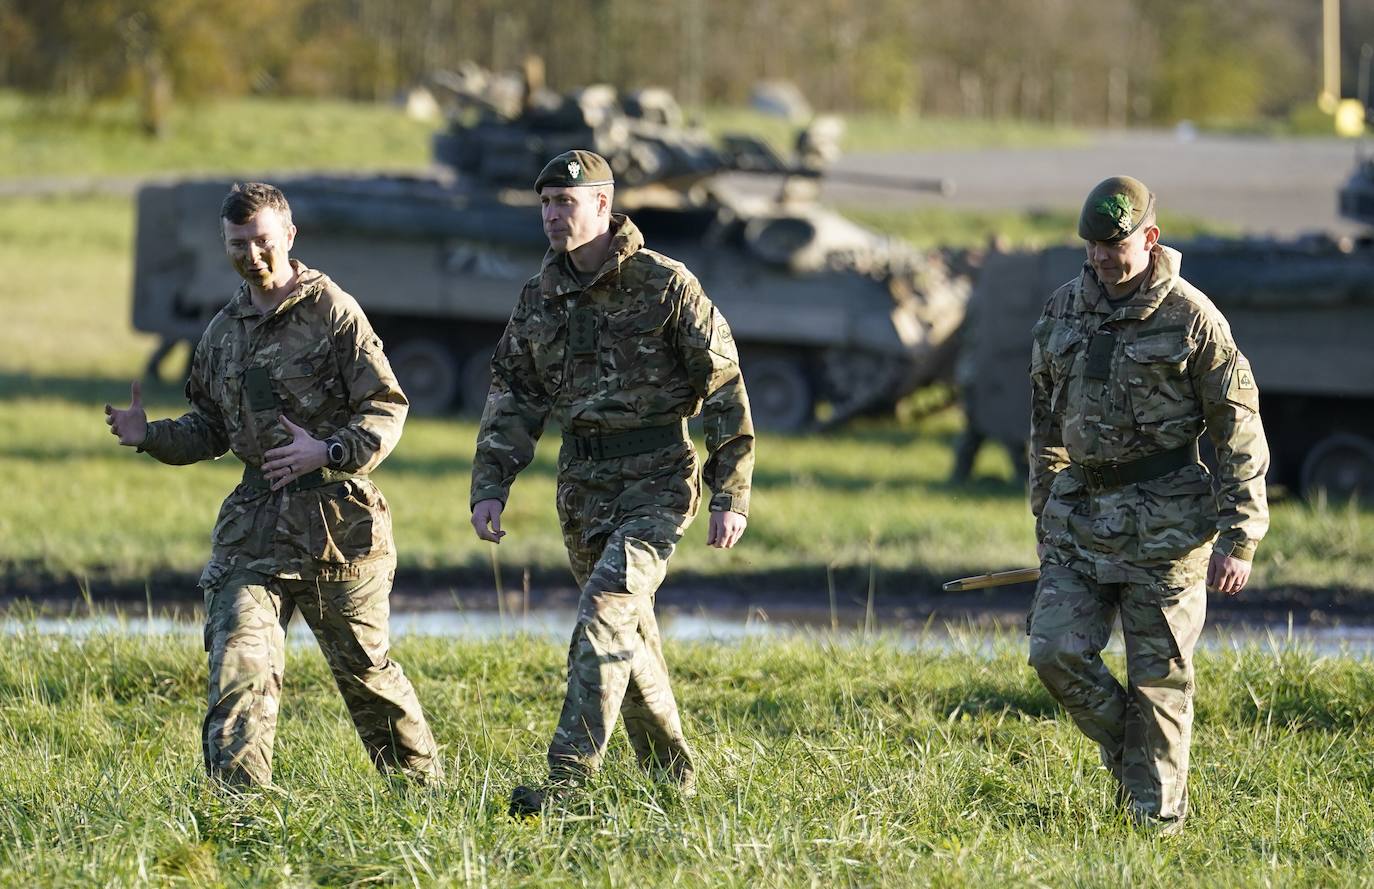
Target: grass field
47,137
51,138
872,497
825,762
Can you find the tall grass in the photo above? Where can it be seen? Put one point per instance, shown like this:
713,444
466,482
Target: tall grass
824,762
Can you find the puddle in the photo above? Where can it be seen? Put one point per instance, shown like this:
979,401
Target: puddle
555,625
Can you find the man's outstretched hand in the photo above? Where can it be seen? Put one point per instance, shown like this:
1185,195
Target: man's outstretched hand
130,426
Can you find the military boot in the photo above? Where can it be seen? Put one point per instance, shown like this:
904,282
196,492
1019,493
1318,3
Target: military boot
526,802
1160,827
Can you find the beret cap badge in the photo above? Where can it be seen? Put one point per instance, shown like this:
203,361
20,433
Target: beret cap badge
1119,209
577,168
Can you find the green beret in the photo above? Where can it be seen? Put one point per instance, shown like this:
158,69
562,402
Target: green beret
575,168
1114,210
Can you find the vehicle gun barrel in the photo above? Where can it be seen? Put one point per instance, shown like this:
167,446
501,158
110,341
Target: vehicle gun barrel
939,185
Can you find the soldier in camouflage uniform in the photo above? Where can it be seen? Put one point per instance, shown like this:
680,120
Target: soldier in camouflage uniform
1130,365
619,345
291,378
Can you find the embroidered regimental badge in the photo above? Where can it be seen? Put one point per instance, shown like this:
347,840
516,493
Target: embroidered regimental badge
574,169
1118,208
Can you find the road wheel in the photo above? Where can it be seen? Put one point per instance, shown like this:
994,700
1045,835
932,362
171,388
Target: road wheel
1342,465
428,373
780,393
476,381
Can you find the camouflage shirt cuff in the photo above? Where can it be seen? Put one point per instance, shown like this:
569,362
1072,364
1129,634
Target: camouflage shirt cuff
488,493
1243,550
730,503
149,443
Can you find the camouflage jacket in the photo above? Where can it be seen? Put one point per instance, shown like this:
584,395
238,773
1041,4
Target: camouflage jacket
661,353
1173,372
329,376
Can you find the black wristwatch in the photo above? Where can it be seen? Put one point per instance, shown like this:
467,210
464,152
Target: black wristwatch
336,452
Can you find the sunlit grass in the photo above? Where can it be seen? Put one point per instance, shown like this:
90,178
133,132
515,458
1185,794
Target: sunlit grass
46,137
54,137
823,762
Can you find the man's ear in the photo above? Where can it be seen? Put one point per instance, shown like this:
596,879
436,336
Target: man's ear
1151,237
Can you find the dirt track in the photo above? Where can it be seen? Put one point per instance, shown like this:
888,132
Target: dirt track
902,601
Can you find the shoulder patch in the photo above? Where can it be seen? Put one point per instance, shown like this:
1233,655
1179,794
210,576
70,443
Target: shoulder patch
1240,384
1244,378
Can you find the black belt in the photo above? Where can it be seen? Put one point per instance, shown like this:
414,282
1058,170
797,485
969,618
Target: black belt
1105,476
623,444
253,478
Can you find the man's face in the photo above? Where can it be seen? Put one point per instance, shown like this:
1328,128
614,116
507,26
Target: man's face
259,247
572,216
1117,262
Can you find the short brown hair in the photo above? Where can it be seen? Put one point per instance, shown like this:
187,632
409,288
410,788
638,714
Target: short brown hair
246,199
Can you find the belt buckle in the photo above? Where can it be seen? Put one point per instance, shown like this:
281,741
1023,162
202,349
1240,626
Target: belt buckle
1104,476
587,447
1111,475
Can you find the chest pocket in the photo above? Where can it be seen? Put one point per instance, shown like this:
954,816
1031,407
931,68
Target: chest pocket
1061,350
1062,347
547,350
1156,378
306,380
636,344
225,378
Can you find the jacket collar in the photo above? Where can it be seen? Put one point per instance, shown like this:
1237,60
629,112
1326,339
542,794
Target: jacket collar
1159,280
308,283
557,277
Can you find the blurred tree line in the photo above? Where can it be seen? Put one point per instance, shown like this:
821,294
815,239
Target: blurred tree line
1065,61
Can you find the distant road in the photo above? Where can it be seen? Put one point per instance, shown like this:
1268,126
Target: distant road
1261,185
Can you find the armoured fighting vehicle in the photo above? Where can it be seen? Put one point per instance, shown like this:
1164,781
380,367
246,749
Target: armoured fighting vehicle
1301,310
832,320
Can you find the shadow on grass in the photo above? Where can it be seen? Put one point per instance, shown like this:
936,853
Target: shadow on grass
91,390
977,490
980,697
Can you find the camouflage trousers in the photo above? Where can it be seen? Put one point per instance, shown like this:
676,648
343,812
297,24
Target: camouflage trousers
622,520
245,635
1144,730
616,666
